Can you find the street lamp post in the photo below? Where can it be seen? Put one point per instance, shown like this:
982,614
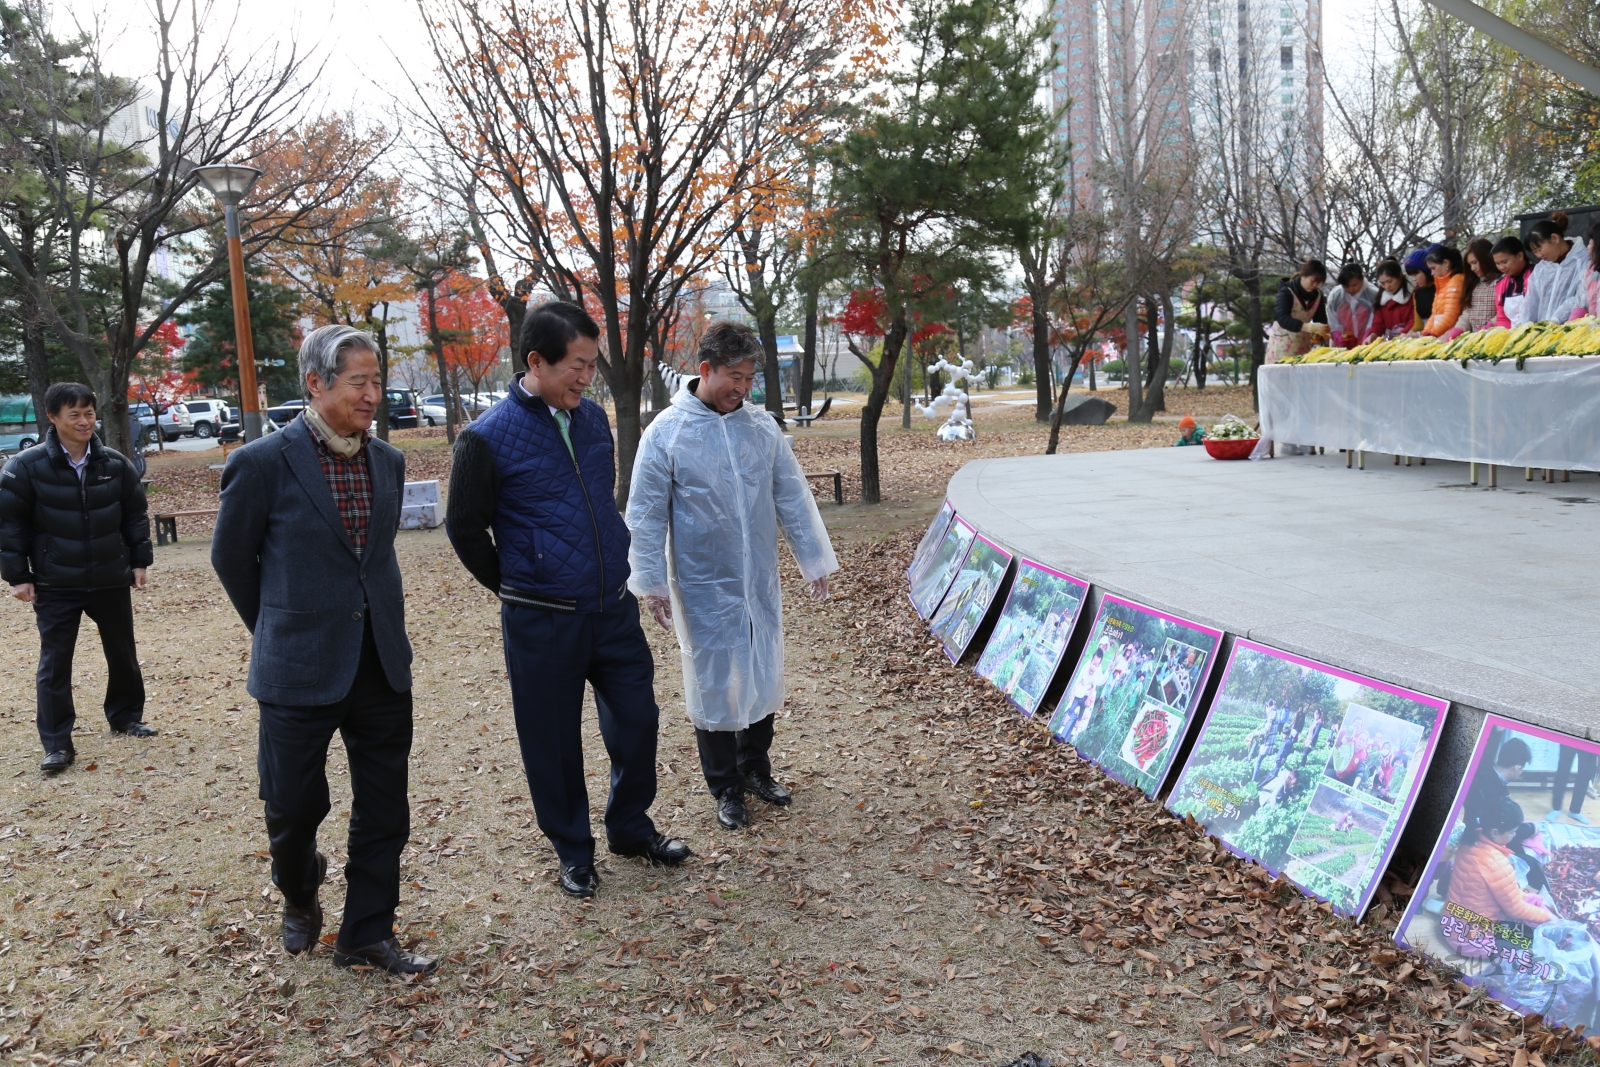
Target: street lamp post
231,183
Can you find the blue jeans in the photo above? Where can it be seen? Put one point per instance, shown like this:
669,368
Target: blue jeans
549,657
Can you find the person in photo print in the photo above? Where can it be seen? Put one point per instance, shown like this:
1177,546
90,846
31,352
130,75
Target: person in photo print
1483,883
1083,693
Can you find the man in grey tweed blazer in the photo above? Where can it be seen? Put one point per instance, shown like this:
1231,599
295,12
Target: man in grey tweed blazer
304,547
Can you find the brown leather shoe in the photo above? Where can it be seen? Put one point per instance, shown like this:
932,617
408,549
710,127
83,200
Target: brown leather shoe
303,926
385,956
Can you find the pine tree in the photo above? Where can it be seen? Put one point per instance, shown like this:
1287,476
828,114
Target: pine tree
926,188
274,312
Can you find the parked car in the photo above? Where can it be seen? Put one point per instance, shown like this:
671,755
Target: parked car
175,422
16,442
403,413
207,414
19,427
433,413
234,431
285,413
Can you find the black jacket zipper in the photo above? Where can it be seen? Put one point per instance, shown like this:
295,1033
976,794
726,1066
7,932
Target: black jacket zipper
594,521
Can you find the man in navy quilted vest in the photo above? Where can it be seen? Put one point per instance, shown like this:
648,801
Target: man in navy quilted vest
532,516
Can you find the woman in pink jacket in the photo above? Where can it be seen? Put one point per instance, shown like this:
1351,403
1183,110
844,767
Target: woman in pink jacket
1511,291
1591,280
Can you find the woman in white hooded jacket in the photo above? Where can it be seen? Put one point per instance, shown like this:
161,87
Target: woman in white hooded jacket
1350,307
1556,287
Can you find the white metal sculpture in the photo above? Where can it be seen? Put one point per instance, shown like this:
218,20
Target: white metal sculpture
958,427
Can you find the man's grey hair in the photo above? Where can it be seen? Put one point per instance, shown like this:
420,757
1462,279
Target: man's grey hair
326,348
727,343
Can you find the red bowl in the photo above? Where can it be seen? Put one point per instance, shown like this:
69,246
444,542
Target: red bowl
1231,449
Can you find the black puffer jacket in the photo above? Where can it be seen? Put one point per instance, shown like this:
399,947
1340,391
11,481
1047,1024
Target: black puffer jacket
58,532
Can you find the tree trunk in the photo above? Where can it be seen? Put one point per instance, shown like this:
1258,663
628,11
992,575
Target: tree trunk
882,380
1155,369
804,381
438,358
1042,368
381,335
1061,400
627,390
767,328
1131,359
1252,318
35,357
1155,397
905,390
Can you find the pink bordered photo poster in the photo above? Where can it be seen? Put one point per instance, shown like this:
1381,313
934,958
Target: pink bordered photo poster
930,541
1135,690
964,607
1309,770
1510,897
1031,636
928,587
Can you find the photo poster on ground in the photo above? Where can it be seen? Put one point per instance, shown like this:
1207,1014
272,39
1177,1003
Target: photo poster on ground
1135,690
930,586
965,606
1309,770
1025,650
930,541
1510,897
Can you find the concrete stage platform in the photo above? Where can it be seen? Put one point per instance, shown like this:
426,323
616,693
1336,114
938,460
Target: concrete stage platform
1488,597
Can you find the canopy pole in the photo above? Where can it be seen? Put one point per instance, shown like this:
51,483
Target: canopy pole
1520,40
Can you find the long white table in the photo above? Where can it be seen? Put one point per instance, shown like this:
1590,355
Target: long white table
1546,415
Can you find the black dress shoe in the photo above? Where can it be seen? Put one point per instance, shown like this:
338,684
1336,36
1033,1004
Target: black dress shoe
134,729
303,926
579,880
56,762
385,956
766,787
658,848
731,811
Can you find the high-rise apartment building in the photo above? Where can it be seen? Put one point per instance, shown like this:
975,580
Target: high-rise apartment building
1184,69
1077,89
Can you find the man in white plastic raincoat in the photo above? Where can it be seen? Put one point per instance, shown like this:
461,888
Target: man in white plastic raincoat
713,483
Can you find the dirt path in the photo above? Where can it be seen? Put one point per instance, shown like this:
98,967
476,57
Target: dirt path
948,886
138,920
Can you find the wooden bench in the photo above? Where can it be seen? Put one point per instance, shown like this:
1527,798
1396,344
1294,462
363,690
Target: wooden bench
214,471
838,483
167,523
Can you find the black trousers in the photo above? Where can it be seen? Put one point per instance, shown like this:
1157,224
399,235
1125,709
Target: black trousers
375,722
549,657
58,613
1586,763
726,756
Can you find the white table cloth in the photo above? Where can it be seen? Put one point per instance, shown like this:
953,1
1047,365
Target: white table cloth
1546,415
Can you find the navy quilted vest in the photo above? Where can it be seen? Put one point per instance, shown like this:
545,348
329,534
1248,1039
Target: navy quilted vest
556,526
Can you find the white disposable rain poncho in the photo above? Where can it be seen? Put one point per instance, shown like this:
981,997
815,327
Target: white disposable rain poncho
709,495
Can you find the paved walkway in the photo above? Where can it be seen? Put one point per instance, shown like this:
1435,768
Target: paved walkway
1487,597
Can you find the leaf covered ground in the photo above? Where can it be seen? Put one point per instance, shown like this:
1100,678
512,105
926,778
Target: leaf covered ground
949,886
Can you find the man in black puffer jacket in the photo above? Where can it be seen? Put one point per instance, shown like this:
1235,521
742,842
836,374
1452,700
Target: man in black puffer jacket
74,537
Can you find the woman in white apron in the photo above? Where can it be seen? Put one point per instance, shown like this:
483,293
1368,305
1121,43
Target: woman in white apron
1298,313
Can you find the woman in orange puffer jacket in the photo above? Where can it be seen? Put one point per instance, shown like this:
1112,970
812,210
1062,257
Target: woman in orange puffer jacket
1483,882
1450,288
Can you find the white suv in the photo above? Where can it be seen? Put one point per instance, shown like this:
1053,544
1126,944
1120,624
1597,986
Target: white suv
175,422
207,414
